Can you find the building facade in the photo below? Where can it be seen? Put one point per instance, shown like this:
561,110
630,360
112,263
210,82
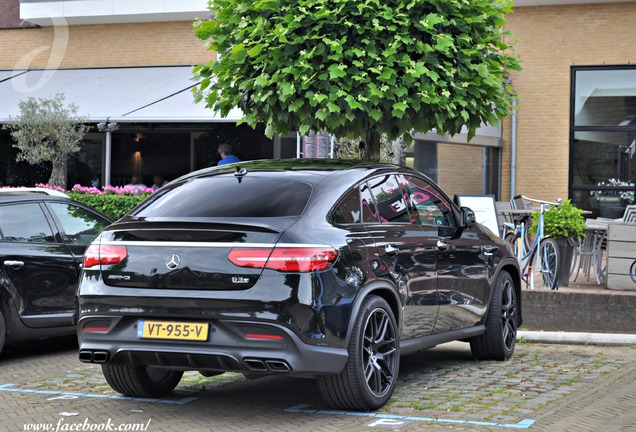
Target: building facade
118,52
577,92
559,143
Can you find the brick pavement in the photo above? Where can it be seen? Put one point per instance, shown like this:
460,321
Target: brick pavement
542,388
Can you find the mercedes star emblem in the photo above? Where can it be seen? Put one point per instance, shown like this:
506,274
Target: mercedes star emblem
173,261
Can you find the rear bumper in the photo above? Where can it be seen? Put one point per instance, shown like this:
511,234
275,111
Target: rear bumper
227,348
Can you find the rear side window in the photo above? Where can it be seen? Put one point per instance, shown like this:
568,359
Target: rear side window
25,223
347,211
369,212
225,196
80,226
389,198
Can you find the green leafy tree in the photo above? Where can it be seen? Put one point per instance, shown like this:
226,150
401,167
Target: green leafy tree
358,68
48,131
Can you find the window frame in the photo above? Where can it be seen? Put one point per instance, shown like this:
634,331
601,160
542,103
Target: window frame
574,189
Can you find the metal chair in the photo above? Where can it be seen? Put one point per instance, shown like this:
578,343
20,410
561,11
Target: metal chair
630,214
591,251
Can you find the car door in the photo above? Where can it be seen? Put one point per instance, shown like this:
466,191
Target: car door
39,273
405,253
461,264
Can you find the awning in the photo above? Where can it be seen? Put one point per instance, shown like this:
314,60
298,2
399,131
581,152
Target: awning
485,136
159,94
123,94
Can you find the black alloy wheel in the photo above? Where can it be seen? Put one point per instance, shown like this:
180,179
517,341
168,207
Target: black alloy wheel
368,379
499,340
3,329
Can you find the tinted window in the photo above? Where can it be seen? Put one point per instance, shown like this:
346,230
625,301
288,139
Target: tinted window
347,211
389,199
25,223
432,208
80,226
253,196
369,212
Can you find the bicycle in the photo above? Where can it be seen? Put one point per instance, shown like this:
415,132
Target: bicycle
540,256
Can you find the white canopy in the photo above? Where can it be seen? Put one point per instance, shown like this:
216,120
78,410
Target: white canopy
123,94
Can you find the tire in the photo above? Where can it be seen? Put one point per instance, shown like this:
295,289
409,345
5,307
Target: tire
141,381
368,379
499,340
3,329
550,263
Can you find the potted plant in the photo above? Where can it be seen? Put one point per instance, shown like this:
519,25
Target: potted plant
566,224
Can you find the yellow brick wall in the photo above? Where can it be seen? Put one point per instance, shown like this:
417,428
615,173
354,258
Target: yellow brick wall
137,44
550,41
460,169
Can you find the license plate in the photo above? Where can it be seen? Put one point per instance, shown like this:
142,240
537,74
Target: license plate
172,330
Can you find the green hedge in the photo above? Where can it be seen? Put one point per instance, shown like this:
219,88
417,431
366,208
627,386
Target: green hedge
112,205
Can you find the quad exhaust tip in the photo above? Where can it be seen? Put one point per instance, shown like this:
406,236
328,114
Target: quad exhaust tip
267,365
90,356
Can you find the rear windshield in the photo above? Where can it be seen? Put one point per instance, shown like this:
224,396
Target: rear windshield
225,196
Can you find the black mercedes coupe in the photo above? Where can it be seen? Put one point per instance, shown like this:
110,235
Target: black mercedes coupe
323,269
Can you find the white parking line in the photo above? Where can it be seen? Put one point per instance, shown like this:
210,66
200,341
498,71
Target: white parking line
394,419
9,387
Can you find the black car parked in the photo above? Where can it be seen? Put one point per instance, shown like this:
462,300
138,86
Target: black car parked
324,269
42,243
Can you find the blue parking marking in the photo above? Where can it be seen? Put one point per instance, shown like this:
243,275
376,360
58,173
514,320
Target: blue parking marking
303,408
9,387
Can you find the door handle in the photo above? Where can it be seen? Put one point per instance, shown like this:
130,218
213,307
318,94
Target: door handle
391,249
489,250
15,265
442,245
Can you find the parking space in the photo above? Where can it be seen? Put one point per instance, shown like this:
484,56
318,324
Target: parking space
544,387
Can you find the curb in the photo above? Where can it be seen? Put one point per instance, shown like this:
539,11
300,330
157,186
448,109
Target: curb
577,338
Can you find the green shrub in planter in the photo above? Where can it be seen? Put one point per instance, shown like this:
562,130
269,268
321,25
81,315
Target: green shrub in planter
563,221
566,225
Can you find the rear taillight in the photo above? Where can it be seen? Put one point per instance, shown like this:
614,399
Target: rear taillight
97,254
285,259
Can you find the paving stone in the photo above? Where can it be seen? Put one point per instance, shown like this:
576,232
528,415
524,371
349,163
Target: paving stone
560,387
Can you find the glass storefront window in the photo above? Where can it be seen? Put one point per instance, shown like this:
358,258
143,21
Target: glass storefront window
603,140
605,97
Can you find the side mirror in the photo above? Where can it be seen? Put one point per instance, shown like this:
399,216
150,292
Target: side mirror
467,217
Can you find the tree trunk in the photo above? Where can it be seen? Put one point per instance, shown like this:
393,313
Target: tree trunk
58,173
372,146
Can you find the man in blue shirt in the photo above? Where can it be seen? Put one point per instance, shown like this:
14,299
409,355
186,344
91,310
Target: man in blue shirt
225,150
